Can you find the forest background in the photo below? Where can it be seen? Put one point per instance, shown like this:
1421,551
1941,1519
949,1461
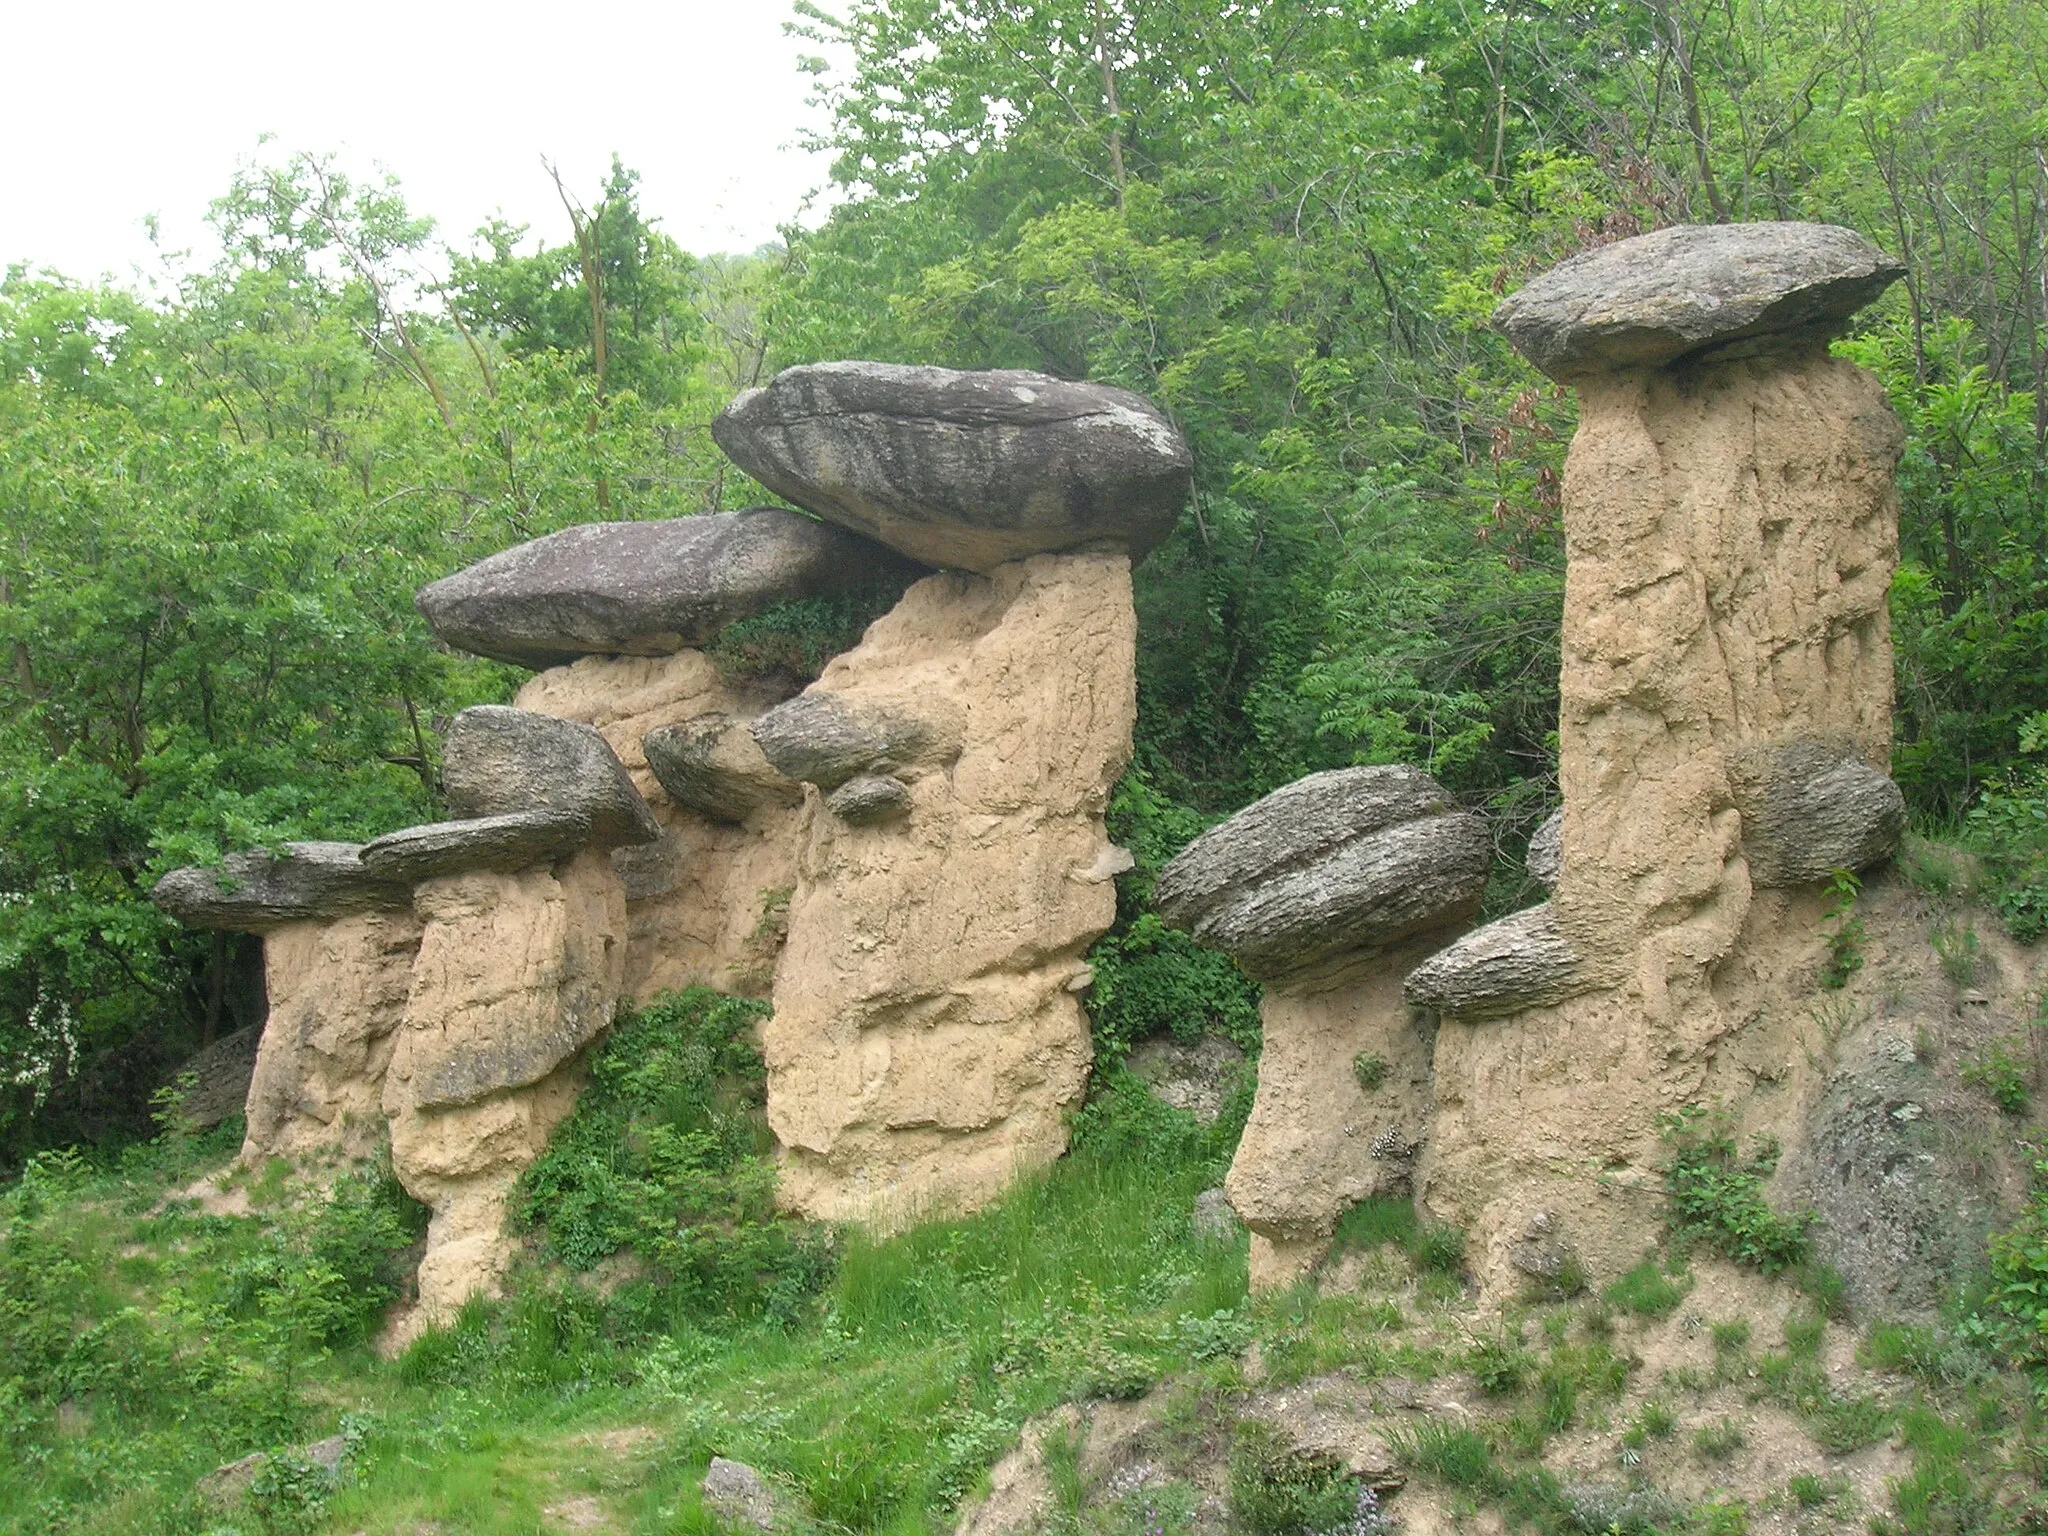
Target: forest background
1287,223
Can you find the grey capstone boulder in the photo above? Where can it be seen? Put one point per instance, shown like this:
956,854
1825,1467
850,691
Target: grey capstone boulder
1350,860
1545,861
823,739
498,844
967,470
1522,961
870,800
498,761
1811,807
254,893
647,588
713,766
1657,298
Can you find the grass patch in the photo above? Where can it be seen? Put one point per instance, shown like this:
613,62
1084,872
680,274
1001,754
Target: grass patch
1648,1290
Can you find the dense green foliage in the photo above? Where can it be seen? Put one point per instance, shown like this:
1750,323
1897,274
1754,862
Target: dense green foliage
1717,1195
665,1156
1288,224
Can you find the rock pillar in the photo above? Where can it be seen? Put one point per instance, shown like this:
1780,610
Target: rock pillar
928,1039
1329,892
1730,533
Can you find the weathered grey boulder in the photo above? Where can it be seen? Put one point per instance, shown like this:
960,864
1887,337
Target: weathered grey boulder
647,589
1545,861
712,765
870,799
498,761
1213,1219
739,1495
1522,961
1353,859
1811,807
253,892
824,739
963,469
1659,297
503,844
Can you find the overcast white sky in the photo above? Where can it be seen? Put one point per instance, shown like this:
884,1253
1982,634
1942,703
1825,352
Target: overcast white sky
111,110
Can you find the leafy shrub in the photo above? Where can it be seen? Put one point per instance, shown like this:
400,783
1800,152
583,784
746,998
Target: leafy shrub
2019,1273
1499,1364
1370,1068
1276,1490
792,641
2009,826
1845,940
665,1156
1154,980
1717,1197
2001,1075
1124,1122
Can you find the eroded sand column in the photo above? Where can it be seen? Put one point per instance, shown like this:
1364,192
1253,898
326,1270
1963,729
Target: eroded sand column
1329,891
1730,530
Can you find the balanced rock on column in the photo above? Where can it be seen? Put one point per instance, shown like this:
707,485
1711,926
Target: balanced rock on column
338,947
953,866
521,964
1730,533
1328,891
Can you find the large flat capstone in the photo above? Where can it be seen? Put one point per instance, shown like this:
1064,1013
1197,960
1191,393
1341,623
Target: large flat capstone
497,761
475,845
254,893
1348,861
1653,299
647,588
1810,807
968,470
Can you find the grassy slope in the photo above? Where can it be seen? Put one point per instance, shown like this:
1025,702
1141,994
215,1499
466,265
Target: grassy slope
915,1370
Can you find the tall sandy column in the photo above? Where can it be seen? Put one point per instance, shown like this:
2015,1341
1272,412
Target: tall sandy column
1730,535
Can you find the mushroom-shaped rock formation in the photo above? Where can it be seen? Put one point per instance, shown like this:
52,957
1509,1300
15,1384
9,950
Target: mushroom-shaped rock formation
825,738
256,893
1545,861
1342,861
967,470
1654,299
1812,807
647,588
338,942
497,761
1520,962
713,765
1330,890
870,800
1730,532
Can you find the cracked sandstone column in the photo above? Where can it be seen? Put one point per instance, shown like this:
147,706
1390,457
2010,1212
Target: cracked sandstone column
1730,531
520,965
952,865
1328,892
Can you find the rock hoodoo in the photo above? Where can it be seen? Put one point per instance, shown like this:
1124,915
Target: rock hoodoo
926,1042
648,588
968,470
1329,891
909,854
1730,534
